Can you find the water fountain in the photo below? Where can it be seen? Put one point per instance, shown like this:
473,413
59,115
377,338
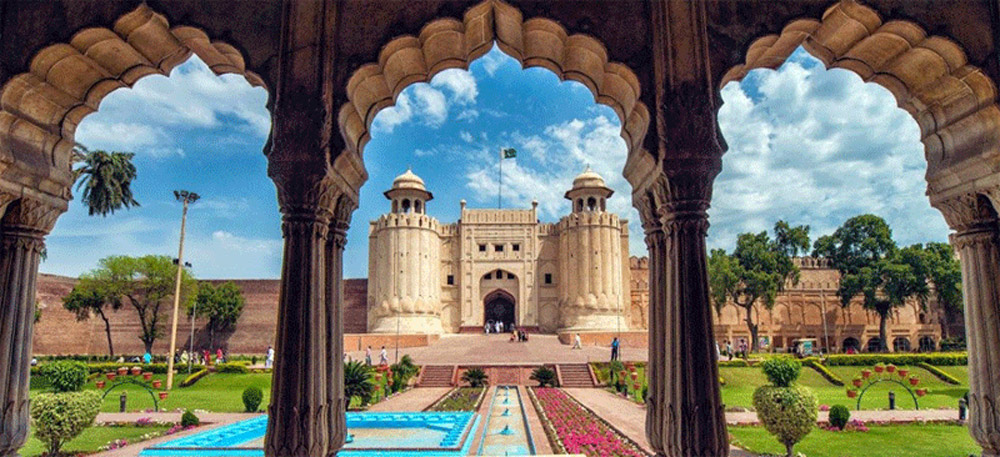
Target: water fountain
506,431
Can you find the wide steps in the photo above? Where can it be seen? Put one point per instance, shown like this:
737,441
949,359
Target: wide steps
575,375
437,376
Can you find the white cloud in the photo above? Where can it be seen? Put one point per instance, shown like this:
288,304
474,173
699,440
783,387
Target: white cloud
468,115
466,136
460,83
493,60
816,147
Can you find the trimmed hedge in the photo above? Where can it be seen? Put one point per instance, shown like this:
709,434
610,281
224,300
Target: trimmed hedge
823,371
738,363
157,368
939,359
236,367
194,377
939,373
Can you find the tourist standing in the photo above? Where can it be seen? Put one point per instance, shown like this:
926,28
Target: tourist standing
368,356
269,357
576,342
383,357
147,358
718,353
614,349
219,357
729,349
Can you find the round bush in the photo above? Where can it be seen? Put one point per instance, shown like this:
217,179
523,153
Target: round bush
839,415
60,417
781,371
65,375
545,376
188,419
788,413
252,396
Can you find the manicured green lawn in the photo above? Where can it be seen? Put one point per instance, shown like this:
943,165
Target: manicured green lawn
913,440
92,438
741,382
217,392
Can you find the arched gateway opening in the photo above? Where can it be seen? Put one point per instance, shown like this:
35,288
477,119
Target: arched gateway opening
499,306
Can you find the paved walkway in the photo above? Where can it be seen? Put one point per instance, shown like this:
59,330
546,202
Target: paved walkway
415,399
496,349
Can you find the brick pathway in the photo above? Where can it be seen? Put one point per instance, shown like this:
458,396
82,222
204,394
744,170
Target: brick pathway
496,349
415,399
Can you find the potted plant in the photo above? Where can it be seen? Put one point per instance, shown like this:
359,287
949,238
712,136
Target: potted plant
879,368
136,371
914,380
857,381
147,375
635,375
890,368
921,392
157,383
100,384
866,373
110,375
122,371
852,393
163,395
903,372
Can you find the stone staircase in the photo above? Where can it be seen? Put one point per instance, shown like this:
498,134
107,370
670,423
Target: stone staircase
436,376
575,375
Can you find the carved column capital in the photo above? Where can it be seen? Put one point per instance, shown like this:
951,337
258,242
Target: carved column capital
677,200
27,221
341,221
969,212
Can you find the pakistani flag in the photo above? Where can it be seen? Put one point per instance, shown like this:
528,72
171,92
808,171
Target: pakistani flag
508,153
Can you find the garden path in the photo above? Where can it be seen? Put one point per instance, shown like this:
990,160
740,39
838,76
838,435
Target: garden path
209,421
415,399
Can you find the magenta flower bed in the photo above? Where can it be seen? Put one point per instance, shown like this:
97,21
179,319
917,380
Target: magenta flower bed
580,431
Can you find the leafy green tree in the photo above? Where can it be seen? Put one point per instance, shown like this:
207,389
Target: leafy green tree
758,269
221,304
873,268
945,273
144,283
106,179
358,382
87,299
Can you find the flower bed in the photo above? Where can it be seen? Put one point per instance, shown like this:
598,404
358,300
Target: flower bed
460,399
575,430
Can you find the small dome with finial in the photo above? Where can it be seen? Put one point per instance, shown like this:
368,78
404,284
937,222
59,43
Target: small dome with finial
588,178
408,180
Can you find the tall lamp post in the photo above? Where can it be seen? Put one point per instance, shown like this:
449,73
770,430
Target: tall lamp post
186,198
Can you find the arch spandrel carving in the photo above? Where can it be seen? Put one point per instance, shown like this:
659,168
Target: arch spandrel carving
953,102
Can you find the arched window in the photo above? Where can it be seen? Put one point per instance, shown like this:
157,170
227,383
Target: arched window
417,207
406,205
851,344
874,344
901,344
927,344
591,204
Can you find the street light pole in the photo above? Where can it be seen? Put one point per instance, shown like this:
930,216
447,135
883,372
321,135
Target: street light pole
186,198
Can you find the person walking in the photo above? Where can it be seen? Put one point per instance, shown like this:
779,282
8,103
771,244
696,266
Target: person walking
368,356
269,357
383,357
729,350
147,358
576,342
614,349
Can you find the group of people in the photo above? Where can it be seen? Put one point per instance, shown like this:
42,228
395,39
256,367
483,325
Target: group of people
518,335
494,327
204,357
742,350
383,356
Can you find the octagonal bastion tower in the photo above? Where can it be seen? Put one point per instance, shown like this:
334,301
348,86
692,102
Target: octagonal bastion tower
404,287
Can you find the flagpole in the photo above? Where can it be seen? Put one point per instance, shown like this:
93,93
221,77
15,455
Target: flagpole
500,184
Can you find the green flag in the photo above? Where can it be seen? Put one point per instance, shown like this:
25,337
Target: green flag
508,153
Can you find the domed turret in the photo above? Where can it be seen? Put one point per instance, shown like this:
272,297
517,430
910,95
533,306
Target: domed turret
589,193
408,193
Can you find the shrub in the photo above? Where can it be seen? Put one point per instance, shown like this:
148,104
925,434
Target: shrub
188,419
65,375
60,417
358,382
194,377
940,374
737,363
953,344
781,371
476,377
252,397
234,367
823,371
938,359
839,415
788,413
545,376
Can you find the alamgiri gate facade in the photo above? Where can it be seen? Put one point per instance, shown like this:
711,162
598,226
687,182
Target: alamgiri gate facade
330,66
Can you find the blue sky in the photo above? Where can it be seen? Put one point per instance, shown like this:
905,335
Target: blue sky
808,145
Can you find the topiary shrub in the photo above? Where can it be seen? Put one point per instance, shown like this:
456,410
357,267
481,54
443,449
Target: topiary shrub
65,375
839,415
787,411
188,419
252,396
60,417
781,371
544,375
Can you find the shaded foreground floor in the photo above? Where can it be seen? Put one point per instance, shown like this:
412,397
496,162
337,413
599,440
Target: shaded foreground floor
496,349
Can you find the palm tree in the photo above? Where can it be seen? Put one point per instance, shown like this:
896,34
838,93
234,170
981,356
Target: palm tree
476,377
106,179
358,382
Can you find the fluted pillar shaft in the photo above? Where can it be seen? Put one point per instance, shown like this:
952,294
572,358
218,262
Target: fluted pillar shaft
684,416
335,323
21,242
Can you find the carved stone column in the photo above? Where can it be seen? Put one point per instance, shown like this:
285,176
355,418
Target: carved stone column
684,416
22,238
304,416
974,219
336,241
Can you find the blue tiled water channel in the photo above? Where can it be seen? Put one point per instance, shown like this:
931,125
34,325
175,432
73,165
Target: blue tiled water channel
506,431
372,434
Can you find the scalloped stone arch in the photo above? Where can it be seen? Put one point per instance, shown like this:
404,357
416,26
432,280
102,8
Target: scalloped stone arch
953,103
41,108
449,43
